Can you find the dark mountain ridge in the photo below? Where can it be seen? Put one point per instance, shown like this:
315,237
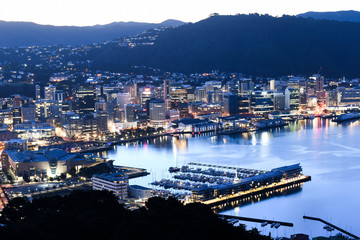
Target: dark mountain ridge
28,33
251,44
342,16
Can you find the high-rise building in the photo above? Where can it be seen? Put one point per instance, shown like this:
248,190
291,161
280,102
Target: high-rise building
292,99
37,93
130,112
85,100
230,104
145,95
279,101
102,121
28,113
59,96
272,84
17,100
122,99
50,92
262,101
167,89
16,115
245,86
157,112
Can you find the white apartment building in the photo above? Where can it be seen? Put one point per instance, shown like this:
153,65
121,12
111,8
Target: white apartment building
114,182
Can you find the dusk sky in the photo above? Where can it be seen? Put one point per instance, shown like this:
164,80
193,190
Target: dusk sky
91,12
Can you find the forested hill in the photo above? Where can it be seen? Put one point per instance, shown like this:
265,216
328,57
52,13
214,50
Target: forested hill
250,44
29,34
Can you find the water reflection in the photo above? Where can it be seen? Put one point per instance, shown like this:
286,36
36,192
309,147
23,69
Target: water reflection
293,189
328,152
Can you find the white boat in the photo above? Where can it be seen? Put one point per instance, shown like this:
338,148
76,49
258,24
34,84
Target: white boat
264,224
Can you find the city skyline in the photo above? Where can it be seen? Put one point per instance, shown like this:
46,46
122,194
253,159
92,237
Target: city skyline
88,13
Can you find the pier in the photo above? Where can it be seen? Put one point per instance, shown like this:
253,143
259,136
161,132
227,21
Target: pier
331,225
254,192
258,220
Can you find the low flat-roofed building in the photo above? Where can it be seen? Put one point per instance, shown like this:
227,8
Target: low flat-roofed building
114,182
137,191
16,144
42,164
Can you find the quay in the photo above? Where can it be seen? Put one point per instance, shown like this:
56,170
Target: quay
131,172
213,203
258,220
331,225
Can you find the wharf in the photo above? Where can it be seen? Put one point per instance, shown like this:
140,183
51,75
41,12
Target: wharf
132,172
331,225
258,220
253,192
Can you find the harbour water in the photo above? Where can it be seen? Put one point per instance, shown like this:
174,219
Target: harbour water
328,152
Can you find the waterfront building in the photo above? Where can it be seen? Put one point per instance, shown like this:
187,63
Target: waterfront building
157,112
274,176
279,101
193,125
113,182
262,101
230,104
348,96
43,163
292,99
140,192
28,164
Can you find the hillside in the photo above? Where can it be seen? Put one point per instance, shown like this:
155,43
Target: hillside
27,33
98,215
250,44
342,16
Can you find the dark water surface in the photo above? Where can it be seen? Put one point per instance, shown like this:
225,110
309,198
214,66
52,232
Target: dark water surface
328,152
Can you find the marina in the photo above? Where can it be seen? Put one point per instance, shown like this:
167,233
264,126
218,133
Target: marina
216,187
320,145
